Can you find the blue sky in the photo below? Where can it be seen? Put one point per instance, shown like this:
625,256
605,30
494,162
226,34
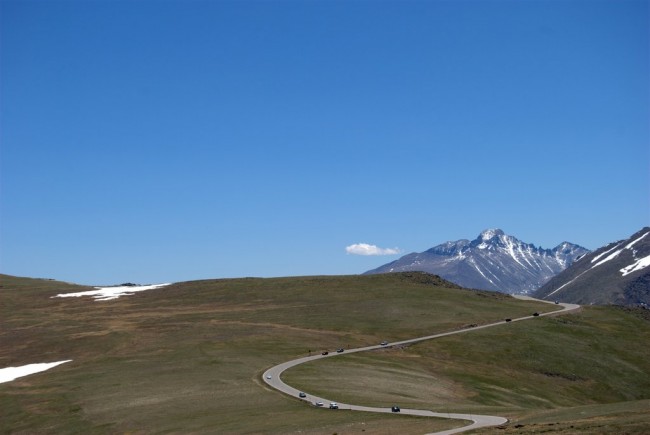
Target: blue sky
156,141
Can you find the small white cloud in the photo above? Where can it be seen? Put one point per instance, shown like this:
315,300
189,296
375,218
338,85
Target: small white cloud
366,249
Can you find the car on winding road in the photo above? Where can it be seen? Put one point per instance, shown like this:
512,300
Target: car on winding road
395,408
334,405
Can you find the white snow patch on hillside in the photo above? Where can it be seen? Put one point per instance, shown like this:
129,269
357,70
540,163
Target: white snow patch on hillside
609,257
615,253
489,233
593,260
566,284
108,293
637,265
562,286
561,261
10,373
632,243
479,271
510,247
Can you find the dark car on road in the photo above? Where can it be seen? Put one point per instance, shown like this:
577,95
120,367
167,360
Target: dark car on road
535,314
325,353
395,409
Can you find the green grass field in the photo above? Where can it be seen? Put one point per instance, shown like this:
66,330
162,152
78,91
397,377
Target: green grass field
188,358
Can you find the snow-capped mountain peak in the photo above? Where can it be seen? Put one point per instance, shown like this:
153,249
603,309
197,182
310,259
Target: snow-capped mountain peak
490,234
492,261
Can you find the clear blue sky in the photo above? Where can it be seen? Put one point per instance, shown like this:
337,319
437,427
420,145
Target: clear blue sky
156,141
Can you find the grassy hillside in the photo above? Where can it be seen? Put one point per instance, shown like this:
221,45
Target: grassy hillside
188,357
598,357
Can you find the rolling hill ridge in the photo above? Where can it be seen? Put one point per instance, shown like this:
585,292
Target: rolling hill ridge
187,358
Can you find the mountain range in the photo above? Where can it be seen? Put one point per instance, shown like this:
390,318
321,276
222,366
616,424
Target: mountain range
617,273
493,261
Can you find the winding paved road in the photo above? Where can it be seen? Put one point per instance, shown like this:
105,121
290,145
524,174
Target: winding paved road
272,377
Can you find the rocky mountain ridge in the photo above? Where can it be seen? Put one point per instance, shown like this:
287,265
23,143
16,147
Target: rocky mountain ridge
617,273
493,261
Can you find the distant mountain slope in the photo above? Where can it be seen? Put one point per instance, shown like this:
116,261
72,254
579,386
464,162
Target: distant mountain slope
493,261
614,274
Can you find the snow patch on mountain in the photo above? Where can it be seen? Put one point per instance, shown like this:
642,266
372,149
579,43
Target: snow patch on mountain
634,242
608,258
568,283
618,252
641,263
471,260
604,253
510,247
491,233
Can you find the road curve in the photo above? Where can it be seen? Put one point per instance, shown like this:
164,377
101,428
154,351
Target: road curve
272,377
